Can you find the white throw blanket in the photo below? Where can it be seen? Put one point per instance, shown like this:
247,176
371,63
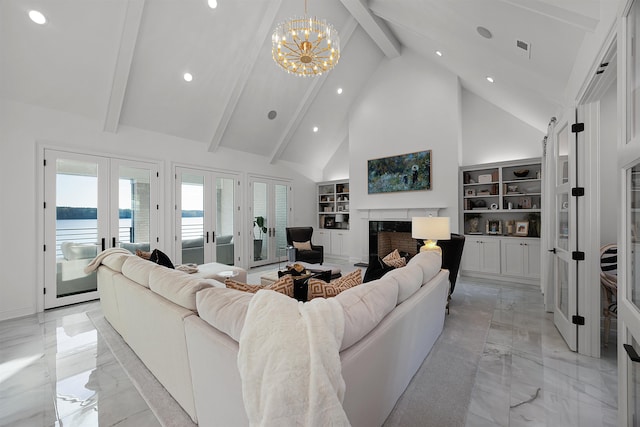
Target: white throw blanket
95,263
289,361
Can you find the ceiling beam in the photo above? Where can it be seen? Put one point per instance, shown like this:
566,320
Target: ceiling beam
128,40
309,97
561,14
263,31
375,27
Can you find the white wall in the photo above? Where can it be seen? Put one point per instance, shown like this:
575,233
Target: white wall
25,127
409,104
338,165
608,165
490,134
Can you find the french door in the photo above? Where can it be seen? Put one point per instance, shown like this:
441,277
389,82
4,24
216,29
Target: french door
563,235
92,203
269,216
206,217
628,296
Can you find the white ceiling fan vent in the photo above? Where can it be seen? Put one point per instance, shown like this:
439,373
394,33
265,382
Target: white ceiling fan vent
524,48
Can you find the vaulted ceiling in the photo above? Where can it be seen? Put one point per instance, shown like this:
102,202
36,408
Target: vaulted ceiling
122,63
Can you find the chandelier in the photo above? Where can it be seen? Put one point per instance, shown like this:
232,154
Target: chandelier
306,46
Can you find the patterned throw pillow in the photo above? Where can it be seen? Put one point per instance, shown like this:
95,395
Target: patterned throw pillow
394,260
302,246
284,285
321,289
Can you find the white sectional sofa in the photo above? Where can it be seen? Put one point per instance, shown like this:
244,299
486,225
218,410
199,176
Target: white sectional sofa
186,330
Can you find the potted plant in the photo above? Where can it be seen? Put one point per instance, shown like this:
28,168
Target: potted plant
257,242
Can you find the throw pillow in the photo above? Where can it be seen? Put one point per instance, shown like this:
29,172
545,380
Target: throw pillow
394,260
321,289
284,285
143,254
376,269
160,258
303,246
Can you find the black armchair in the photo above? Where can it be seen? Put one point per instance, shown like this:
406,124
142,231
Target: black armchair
301,235
451,256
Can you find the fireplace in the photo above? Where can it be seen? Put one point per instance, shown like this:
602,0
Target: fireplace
385,236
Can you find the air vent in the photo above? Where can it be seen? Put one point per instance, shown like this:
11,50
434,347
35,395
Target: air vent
524,48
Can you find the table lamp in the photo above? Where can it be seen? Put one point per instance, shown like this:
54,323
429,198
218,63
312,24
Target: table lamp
430,229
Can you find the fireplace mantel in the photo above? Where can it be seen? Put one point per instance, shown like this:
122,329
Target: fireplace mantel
396,214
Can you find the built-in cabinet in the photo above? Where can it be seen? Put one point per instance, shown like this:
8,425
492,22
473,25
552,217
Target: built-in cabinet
333,217
500,205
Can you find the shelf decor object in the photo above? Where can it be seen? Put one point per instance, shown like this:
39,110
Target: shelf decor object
430,229
406,172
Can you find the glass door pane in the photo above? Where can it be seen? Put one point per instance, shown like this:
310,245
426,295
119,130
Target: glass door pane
134,208
225,215
192,218
260,221
281,217
78,234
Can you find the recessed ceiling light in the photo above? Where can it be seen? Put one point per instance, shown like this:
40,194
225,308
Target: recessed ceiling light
212,4
37,17
187,77
490,79
484,32
339,91
438,53
315,128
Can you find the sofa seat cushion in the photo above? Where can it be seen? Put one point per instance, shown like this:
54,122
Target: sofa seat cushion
138,269
365,306
224,309
177,286
430,262
409,280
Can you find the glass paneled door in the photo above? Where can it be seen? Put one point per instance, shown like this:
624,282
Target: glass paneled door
269,209
565,301
206,215
92,203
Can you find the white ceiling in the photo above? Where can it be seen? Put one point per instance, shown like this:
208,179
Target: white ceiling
121,63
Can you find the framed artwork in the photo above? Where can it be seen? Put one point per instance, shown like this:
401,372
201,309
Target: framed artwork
522,228
494,226
406,172
525,203
470,192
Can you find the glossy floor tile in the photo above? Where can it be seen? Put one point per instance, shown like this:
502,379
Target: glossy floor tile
56,369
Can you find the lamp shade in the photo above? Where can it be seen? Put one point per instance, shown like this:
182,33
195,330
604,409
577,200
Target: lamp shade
431,228
339,218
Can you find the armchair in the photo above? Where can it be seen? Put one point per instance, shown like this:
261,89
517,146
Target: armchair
300,235
451,257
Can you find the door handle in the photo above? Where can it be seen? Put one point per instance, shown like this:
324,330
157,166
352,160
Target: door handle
213,237
103,243
631,352
207,239
553,250
113,242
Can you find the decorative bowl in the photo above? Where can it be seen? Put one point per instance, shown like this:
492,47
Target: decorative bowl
521,173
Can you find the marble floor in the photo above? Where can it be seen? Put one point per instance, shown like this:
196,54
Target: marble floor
57,370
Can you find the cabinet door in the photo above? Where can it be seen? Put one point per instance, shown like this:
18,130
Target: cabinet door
471,255
532,259
490,256
336,243
322,238
513,257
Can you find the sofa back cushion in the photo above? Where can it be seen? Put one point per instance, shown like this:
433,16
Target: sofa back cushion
409,280
365,306
224,309
115,261
176,286
138,269
430,262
